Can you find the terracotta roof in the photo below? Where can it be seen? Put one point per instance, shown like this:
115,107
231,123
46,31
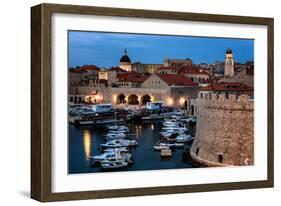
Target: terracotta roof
228,87
167,68
176,79
117,69
132,77
84,68
191,70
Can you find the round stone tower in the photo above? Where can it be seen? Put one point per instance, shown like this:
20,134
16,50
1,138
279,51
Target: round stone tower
225,130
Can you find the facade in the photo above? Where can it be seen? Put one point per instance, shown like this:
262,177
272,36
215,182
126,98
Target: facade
167,70
177,62
195,74
139,67
152,68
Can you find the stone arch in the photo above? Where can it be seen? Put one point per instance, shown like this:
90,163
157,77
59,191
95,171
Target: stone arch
133,99
121,99
145,98
185,104
192,111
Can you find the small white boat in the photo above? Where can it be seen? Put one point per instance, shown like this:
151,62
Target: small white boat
115,136
128,142
103,156
120,143
113,155
171,145
113,165
117,131
168,133
111,144
118,127
160,147
116,150
170,124
183,138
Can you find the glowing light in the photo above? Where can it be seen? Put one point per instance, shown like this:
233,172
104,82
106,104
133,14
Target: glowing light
170,101
114,98
152,126
87,143
181,101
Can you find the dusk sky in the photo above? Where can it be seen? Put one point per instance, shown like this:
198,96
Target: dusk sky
105,49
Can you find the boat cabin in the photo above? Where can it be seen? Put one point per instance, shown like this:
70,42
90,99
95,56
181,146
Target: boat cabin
99,108
154,105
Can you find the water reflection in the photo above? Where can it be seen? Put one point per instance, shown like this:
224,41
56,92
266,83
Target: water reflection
87,143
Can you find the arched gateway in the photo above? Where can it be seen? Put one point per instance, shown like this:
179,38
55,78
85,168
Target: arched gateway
145,98
121,99
133,99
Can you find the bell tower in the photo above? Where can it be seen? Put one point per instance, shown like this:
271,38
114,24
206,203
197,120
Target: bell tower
229,64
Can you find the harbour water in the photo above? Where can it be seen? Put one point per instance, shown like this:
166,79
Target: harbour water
85,142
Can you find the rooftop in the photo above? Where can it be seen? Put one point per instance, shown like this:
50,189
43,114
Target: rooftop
132,77
176,79
233,86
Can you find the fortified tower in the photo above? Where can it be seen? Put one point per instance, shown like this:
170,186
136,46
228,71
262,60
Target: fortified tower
229,64
225,130
125,62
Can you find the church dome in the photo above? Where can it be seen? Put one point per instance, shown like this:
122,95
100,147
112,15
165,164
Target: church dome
125,58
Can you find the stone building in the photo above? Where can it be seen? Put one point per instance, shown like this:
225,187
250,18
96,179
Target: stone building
139,67
195,74
167,70
152,68
245,76
226,134
177,62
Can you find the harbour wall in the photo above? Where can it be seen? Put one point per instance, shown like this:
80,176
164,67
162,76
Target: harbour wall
225,130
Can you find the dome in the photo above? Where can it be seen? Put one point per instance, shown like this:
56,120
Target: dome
125,58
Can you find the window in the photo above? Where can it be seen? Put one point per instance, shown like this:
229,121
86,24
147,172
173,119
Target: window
220,158
197,151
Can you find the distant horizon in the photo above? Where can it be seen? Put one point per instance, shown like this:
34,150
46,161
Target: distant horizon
104,49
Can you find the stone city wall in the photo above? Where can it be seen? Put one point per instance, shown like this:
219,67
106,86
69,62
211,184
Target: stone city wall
225,130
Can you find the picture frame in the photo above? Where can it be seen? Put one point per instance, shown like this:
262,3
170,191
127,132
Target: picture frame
41,101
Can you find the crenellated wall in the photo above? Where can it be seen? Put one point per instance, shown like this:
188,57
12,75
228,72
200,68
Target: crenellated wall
225,130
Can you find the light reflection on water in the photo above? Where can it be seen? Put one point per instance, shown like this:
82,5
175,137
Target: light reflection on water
87,143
